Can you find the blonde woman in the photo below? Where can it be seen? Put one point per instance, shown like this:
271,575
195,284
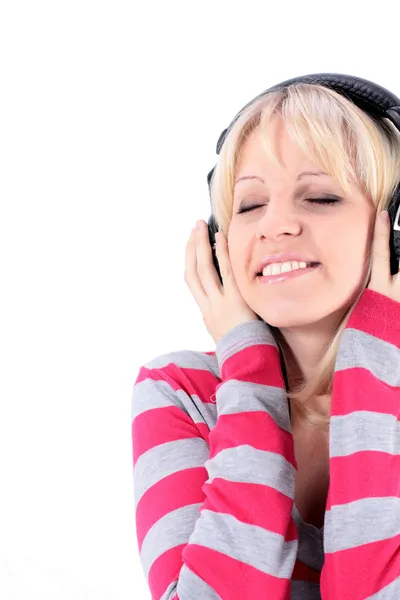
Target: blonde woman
269,467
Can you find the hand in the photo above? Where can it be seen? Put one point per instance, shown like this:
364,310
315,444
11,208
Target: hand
381,279
222,307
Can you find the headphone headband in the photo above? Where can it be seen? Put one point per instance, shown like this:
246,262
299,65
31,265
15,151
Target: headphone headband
369,96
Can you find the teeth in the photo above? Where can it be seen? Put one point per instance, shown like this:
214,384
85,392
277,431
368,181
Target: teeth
277,268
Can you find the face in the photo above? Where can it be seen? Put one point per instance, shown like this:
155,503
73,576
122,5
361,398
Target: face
338,235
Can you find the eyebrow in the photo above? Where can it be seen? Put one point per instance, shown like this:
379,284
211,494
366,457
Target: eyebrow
304,174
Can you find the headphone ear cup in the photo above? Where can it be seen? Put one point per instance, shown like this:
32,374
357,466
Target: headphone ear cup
209,177
212,230
394,242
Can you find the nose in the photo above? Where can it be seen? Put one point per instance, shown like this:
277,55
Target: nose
279,218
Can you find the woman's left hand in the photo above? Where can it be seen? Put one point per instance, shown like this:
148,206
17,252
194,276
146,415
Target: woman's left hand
382,281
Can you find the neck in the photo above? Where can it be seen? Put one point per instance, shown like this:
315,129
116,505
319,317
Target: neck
301,352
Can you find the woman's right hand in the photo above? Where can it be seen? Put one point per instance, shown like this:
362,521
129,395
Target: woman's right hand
222,306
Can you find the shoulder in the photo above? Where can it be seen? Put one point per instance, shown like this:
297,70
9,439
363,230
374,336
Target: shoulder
181,360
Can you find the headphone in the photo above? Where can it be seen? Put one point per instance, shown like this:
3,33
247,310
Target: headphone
372,99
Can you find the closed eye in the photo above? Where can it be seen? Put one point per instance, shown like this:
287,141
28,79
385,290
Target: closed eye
330,200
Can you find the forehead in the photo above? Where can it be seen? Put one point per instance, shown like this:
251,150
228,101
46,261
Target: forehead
291,158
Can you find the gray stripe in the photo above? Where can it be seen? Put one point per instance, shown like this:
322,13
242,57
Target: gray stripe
185,359
173,529
245,464
362,431
359,349
165,459
243,336
253,545
149,394
390,592
361,522
190,586
242,396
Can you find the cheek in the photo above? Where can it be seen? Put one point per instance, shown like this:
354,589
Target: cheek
339,239
237,263
347,255
357,244
237,254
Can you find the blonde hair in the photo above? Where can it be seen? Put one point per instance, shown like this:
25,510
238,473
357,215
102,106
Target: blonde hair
351,146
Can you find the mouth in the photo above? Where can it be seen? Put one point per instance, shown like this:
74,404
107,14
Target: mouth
309,265
288,276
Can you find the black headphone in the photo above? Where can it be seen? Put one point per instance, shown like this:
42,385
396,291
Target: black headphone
370,97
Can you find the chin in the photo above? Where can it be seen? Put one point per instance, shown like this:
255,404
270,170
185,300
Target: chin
285,323
300,319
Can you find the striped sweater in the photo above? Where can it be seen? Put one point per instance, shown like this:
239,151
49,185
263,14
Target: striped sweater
214,470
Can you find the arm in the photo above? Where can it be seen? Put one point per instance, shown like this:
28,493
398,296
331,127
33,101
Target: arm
214,520
362,523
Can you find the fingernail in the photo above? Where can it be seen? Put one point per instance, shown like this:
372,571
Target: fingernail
384,216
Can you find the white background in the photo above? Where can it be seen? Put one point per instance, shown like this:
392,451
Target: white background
109,117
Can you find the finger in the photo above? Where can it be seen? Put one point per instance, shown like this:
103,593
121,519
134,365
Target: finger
192,278
205,267
224,262
380,272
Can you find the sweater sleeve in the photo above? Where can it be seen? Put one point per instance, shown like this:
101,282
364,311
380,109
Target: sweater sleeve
362,520
215,522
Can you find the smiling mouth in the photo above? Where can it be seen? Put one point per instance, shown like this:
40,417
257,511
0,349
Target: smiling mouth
311,264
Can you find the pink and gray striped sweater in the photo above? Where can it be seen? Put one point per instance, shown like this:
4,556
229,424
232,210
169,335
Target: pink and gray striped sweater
214,470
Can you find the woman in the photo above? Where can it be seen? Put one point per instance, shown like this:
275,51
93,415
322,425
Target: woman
233,465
